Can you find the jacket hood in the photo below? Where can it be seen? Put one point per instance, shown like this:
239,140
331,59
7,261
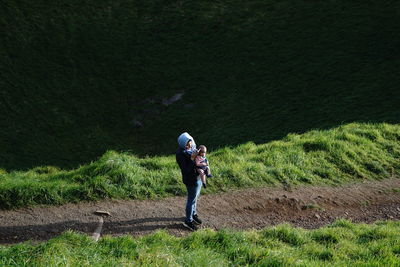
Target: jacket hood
183,139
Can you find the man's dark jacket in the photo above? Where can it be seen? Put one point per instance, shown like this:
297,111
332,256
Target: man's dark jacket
189,175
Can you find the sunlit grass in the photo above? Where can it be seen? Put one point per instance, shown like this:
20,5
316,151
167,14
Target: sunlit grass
350,153
339,244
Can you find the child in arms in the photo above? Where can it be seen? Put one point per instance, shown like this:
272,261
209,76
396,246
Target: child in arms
202,165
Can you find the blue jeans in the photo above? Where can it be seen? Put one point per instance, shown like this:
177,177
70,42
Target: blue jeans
191,203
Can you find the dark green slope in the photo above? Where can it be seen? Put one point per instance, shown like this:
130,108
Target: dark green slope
76,77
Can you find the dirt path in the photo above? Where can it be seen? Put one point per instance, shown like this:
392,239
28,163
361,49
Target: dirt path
308,207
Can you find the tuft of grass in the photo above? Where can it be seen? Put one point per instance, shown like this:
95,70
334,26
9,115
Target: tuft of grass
339,244
312,206
347,156
286,234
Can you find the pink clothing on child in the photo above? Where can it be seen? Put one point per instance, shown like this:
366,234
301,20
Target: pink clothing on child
201,161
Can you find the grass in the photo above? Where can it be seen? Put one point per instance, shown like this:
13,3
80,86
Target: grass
349,153
312,206
75,75
339,244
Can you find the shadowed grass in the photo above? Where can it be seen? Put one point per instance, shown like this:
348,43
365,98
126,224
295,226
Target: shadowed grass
349,153
339,244
79,78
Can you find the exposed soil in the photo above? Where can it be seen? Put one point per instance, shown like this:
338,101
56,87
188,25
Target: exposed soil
305,206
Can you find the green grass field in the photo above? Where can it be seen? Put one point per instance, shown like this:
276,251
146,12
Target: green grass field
282,92
75,75
349,153
339,244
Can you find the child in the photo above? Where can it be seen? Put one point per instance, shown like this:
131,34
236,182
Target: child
202,166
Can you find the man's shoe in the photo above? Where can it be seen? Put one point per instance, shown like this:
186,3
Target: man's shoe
196,219
190,226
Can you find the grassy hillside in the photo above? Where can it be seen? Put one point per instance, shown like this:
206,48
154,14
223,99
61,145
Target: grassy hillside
339,244
344,154
77,78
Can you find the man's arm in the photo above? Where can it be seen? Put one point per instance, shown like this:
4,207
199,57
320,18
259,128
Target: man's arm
194,154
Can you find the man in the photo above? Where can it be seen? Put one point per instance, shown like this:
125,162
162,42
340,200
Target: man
184,157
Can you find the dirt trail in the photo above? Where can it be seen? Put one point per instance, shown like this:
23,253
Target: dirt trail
305,206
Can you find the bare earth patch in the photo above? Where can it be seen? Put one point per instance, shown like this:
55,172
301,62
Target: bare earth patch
305,206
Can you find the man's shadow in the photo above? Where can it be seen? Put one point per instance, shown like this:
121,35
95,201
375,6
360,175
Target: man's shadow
16,234
143,225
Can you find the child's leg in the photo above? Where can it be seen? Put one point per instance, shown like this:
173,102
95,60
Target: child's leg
203,179
202,175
